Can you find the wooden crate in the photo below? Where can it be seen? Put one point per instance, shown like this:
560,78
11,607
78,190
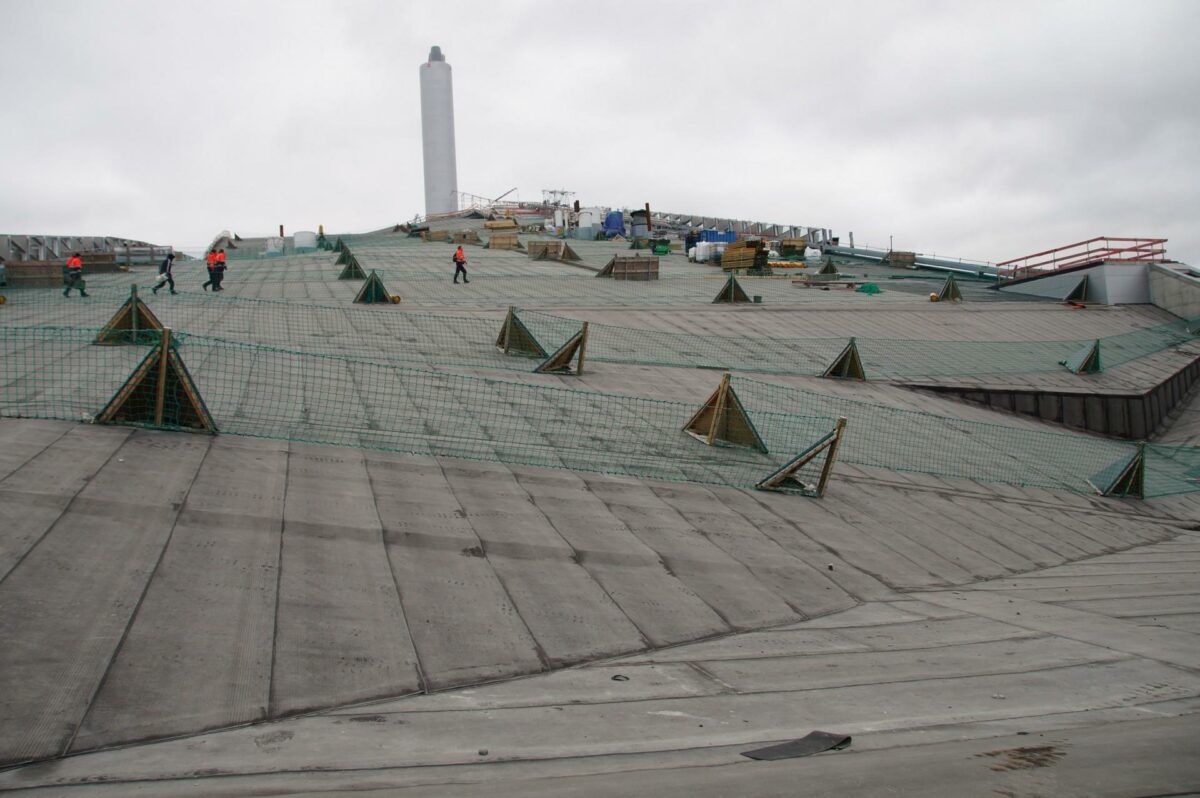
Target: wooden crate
501,224
636,267
504,241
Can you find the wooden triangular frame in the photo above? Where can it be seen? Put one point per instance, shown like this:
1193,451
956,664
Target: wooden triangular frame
569,255
950,290
848,365
345,257
373,291
516,339
1086,361
352,270
1130,480
607,270
723,419
1078,294
828,268
784,478
159,393
731,293
560,361
130,324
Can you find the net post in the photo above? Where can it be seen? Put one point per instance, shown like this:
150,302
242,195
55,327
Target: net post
827,469
582,350
160,393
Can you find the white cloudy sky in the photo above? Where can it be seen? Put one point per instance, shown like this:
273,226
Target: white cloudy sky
975,129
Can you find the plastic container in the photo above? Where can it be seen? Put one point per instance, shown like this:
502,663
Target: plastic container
305,241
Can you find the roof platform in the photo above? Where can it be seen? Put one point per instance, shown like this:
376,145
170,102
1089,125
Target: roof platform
409,562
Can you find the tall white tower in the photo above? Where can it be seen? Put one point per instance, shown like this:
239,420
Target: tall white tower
437,135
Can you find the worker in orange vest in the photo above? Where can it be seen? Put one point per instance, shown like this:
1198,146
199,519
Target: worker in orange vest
73,276
210,260
219,270
460,265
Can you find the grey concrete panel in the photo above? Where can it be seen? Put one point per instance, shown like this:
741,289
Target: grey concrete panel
1163,645
538,733
569,614
902,536
593,683
33,497
875,613
663,608
784,526
933,633
846,541
989,531
198,654
914,517
23,439
725,584
463,623
1056,543
808,591
1139,607
340,631
67,605
1188,622
824,671
788,642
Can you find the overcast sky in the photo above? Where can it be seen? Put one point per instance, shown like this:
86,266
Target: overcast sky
976,129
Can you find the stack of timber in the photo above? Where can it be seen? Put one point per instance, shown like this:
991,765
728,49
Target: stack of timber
748,255
793,247
907,260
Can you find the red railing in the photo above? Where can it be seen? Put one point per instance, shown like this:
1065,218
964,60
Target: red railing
1101,248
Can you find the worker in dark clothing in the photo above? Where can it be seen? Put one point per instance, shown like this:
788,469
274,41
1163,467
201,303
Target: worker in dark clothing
210,261
460,265
219,270
164,274
73,276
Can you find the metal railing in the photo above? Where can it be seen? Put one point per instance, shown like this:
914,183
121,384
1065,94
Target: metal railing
1100,248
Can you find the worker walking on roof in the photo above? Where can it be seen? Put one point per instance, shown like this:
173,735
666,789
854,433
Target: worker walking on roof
460,265
210,261
219,270
73,276
164,274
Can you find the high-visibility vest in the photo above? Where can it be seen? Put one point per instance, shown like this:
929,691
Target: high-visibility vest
75,263
221,258
210,259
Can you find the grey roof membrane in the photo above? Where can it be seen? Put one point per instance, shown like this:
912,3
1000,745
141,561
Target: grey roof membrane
194,615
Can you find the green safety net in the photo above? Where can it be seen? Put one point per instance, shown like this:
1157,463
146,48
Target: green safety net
274,392
420,338
278,392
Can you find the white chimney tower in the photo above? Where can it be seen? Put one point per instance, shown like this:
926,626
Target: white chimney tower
437,135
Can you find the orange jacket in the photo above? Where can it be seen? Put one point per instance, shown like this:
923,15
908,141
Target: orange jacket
221,258
75,263
210,259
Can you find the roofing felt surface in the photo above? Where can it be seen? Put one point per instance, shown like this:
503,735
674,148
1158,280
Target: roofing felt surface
1053,660
231,579
165,584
